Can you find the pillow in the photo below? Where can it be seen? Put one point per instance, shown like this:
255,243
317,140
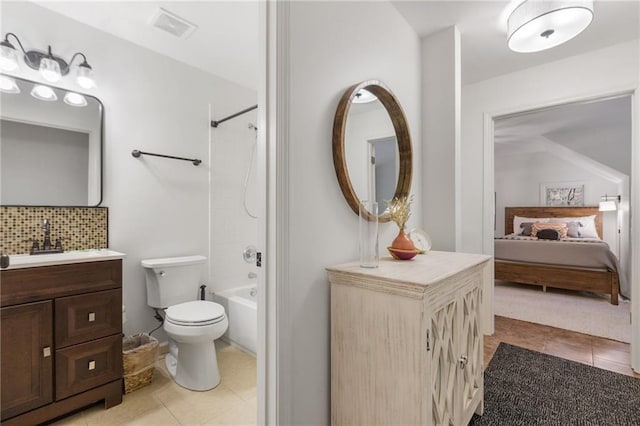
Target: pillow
518,220
526,228
561,228
587,227
573,229
548,234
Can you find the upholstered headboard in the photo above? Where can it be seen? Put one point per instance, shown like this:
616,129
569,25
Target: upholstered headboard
549,211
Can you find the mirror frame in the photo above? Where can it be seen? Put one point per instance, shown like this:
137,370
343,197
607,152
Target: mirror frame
102,144
403,138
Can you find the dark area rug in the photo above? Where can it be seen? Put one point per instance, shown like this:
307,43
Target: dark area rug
524,387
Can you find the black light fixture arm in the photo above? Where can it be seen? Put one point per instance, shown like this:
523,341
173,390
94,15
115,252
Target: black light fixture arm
84,59
6,40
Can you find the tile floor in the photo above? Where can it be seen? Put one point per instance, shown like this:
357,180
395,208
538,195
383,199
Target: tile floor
596,351
233,402
163,402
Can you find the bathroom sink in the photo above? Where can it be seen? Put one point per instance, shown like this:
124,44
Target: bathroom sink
17,261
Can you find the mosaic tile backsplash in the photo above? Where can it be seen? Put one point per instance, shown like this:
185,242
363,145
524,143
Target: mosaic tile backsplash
80,227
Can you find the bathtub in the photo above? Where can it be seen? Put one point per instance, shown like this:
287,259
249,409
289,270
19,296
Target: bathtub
240,304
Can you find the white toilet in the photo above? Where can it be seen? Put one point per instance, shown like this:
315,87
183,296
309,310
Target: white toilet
192,325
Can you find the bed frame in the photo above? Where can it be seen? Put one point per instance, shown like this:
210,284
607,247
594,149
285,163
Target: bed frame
570,278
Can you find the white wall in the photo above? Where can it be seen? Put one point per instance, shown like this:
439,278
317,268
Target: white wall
441,134
157,207
518,179
332,46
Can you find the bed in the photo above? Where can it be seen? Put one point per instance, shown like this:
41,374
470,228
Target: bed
586,265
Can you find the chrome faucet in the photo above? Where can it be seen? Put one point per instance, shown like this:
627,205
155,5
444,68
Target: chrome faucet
46,244
46,227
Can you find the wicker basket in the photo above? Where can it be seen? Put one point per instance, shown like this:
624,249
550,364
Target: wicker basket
139,354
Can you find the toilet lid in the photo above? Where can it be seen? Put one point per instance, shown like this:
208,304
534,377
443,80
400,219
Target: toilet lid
197,312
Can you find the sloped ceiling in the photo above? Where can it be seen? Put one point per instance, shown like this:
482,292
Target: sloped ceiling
600,130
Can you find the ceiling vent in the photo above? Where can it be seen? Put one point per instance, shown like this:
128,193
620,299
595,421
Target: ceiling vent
172,23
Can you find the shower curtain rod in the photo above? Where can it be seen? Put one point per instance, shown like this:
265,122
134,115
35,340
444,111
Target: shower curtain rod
215,123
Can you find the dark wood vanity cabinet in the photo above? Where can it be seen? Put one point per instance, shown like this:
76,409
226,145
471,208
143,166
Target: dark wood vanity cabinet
61,337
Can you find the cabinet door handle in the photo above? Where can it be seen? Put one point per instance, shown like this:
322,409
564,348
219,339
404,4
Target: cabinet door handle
92,316
463,361
92,365
46,352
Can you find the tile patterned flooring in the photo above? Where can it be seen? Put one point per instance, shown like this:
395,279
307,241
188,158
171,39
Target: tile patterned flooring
163,402
233,402
595,351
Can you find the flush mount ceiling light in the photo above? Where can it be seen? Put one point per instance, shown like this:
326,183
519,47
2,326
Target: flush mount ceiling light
51,67
364,96
539,25
8,85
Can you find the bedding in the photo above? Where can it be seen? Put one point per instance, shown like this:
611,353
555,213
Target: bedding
578,227
591,253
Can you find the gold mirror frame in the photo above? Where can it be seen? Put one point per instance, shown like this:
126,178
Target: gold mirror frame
403,139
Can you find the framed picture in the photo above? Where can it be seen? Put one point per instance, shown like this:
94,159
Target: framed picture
562,194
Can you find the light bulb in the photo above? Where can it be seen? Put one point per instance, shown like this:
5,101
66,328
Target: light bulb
85,76
8,85
8,57
75,99
44,93
50,70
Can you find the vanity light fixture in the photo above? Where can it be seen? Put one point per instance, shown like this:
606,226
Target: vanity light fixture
75,99
539,25
51,67
364,96
8,85
609,203
44,93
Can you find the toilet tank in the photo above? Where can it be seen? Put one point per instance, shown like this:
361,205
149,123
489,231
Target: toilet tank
172,280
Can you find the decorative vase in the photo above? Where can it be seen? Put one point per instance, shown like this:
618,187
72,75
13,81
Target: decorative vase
403,242
402,248
368,230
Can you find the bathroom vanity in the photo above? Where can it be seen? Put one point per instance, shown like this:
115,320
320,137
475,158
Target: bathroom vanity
406,340
61,332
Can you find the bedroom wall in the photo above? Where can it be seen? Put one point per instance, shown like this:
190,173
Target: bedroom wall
518,179
332,46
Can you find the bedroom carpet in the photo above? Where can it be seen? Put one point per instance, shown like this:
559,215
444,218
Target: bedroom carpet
578,311
524,387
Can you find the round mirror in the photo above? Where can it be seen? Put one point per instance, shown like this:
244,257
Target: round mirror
371,147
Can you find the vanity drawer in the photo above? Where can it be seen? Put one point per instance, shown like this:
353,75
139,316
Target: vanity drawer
85,366
87,317
47,282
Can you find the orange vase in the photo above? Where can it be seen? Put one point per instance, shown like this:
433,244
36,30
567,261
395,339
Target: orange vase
403,242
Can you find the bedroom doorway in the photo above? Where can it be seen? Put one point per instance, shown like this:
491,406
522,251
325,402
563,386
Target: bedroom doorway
573,155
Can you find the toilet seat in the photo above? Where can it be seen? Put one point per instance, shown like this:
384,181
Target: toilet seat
196,313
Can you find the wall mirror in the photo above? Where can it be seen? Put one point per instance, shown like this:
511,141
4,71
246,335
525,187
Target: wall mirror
50,145
371,146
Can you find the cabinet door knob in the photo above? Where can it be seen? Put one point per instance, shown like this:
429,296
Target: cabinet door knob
92,365
463,361
46,352
92,316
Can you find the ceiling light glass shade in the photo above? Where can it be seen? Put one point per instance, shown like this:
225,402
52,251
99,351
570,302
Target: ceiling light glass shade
75,99
85,76
44,93
50,70
539,25
364,96
8,85
607,206
8,57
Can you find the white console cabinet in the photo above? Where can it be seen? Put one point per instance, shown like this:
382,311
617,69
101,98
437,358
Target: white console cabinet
406,341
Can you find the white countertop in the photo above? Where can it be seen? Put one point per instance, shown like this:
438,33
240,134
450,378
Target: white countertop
19,261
